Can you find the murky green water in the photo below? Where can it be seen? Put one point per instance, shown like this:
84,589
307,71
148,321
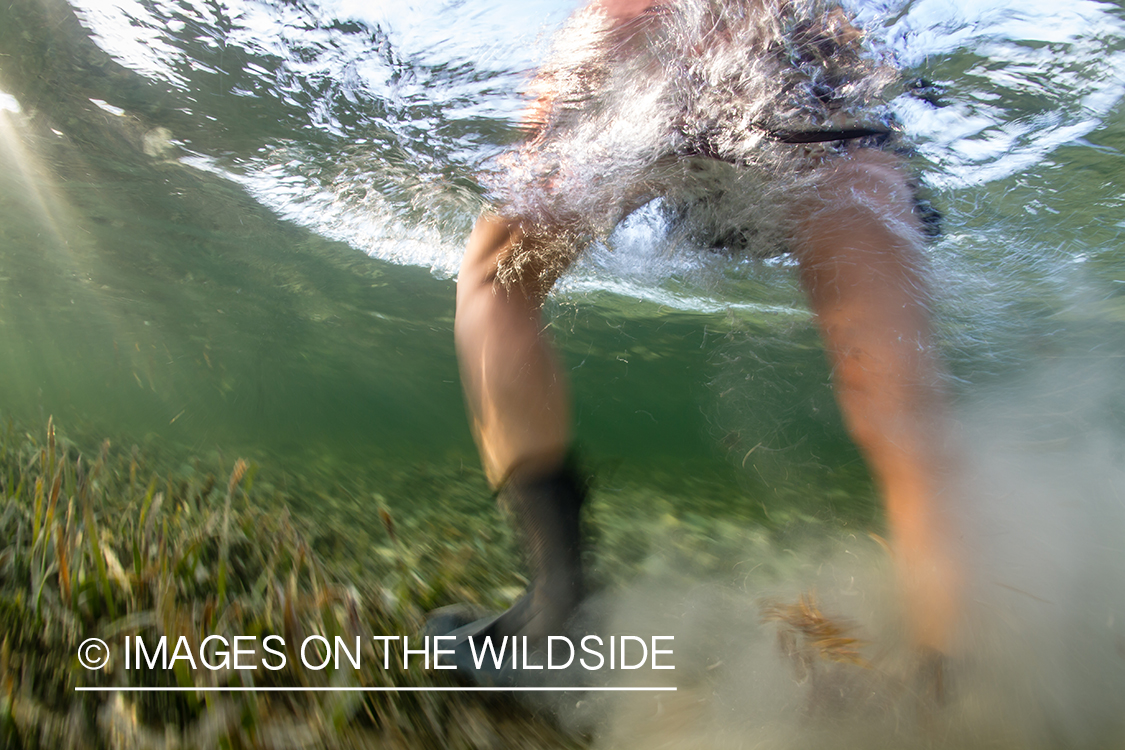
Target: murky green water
170,278
230,228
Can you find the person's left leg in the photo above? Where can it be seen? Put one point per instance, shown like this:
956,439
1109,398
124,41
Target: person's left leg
860,249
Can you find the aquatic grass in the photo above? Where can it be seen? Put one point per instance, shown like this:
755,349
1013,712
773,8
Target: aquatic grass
202,562
123,546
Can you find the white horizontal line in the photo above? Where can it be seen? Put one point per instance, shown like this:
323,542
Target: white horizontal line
270,689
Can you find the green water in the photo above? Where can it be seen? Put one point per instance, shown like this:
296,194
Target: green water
247,252
162,305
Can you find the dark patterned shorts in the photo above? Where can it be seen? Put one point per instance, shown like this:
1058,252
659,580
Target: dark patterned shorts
725,111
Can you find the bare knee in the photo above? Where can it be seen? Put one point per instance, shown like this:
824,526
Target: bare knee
492,237
504,261
875,395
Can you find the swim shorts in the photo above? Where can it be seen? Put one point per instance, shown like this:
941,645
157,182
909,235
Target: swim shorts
723,109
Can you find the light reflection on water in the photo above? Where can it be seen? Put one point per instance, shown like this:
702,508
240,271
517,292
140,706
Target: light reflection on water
367,124
390,110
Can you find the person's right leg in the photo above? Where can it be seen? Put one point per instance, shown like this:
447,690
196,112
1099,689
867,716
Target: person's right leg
520,410
518,400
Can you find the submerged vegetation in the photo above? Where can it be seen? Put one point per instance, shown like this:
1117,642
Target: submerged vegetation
113,544
92,547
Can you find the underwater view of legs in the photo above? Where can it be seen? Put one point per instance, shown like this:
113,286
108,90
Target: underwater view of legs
857,234
789,333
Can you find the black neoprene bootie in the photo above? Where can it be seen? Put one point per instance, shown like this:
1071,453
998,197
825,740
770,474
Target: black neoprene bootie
545,511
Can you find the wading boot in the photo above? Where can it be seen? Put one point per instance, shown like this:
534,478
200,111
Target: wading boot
545,510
